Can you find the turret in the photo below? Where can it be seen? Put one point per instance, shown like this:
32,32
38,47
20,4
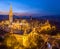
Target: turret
10,15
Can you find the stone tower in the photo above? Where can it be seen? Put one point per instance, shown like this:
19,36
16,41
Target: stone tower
10,15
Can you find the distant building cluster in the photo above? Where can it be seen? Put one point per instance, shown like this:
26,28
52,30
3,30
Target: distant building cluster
10,25
30,29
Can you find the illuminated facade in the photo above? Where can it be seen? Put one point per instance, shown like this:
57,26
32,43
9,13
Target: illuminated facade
10,15
46,26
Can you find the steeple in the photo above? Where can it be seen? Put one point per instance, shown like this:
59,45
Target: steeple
10,15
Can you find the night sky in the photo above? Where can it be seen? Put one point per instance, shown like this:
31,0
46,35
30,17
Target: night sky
43,7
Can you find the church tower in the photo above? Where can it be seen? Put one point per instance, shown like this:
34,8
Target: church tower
10,15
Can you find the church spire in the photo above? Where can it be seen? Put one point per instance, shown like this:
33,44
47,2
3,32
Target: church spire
10,15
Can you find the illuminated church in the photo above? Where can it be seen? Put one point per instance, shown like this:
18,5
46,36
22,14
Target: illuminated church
10,15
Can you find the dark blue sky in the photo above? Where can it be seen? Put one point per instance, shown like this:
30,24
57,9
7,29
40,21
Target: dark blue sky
43,7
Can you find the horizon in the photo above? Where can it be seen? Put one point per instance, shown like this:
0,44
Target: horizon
33,7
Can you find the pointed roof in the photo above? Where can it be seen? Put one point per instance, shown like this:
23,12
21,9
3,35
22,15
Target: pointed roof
10,12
